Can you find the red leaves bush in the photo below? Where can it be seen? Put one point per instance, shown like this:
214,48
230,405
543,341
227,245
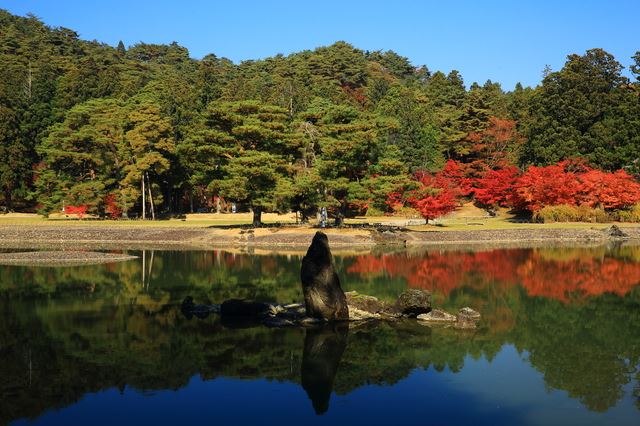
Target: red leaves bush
79,211
566,183
439,194
111,206
495,188
570,183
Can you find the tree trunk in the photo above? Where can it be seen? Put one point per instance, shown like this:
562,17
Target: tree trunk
191,201
153,210
144,201
257,216
340,214
8,202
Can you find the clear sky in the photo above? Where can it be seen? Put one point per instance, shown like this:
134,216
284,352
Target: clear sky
505,41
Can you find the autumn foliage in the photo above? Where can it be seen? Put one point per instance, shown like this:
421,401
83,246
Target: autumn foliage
111,206
495,188
79,211
568,183
538,271
439,193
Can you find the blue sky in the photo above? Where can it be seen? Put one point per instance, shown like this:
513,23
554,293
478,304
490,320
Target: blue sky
505,41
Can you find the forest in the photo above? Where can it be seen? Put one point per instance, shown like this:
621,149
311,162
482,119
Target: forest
146,131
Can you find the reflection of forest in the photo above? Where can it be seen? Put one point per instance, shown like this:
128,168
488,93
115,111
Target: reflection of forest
68,331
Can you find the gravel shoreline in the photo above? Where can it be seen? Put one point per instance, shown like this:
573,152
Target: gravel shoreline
61,258
174,237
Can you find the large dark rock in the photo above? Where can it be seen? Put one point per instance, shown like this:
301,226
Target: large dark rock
413,302
323,295
244,308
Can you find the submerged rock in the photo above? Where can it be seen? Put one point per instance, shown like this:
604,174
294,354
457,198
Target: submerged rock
413,302
323,295
438,316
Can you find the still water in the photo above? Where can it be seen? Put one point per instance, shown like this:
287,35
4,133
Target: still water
559,342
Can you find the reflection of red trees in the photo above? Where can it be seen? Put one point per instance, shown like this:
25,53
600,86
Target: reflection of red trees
581,277
442,273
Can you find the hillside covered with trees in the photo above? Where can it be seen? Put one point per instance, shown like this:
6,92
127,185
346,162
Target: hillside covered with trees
146,130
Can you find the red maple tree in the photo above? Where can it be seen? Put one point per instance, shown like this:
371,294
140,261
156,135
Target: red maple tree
495,187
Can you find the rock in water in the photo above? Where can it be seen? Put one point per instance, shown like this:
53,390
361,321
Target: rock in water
467,318
413,302
323,295
437,316
244,308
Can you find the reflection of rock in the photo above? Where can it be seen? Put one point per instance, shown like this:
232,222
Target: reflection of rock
190,309
323,348
467,318
323,295
437,316
413,302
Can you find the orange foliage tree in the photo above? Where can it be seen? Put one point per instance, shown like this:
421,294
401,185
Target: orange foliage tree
439,193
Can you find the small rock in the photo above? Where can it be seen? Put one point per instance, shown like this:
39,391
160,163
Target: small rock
615,232
311,321
467,319
437,315
356,314
365,303
273,310
469,313
293,306
413,302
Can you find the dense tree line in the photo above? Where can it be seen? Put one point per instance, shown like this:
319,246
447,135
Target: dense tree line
147,130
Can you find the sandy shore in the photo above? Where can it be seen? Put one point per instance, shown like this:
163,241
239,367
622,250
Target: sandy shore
199,237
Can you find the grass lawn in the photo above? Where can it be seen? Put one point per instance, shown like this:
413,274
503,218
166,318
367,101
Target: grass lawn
464,219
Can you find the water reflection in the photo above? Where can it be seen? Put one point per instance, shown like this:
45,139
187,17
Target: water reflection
573,315
323,348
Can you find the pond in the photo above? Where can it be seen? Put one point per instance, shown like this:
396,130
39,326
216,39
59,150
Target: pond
559,341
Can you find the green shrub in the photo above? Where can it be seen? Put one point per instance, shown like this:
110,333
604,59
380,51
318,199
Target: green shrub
630,215
560,213
373,211
588,214
568,213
